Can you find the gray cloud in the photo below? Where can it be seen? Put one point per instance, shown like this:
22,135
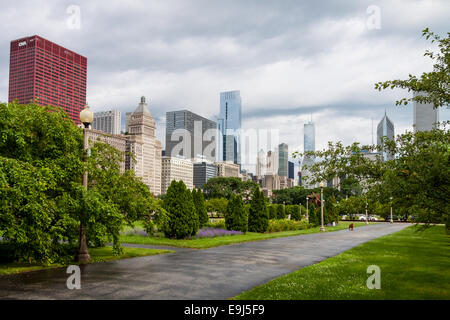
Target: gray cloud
288,58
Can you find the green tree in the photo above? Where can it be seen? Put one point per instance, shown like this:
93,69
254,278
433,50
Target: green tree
218,205
200,206
295,212
433,87
236,217
41,170
418,178
280,212
223,187
332,210
272,209
258,218
183,219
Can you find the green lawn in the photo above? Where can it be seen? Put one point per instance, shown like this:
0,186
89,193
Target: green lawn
220,241
414,263
97,255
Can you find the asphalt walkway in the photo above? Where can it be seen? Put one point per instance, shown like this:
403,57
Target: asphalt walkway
215,273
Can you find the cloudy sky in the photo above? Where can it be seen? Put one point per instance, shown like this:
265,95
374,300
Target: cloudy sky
290,59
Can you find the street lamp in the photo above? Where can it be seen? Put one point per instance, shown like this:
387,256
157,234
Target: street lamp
322,228
392,220
367,217
86,117
307,218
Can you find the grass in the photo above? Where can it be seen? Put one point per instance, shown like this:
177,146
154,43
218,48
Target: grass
414,263
97,255
226,240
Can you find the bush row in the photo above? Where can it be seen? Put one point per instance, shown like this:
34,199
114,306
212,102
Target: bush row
287,225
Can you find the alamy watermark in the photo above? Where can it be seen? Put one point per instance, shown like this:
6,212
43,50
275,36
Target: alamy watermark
374,280
74,280
373,21
217,145
73,21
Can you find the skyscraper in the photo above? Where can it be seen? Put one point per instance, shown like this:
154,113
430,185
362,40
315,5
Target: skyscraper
107,121
425,116
190,135
230,120
385,129
203,171
42,71
291,166
261,164
283,158
309,144
146,148
175,168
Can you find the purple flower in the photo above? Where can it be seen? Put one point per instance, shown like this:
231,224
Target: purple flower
213,232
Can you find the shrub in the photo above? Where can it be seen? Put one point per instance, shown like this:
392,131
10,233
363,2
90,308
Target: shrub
294,211
272,211
235,217
258,218
219,224
182,216
158,222
200,206
280,212
287,225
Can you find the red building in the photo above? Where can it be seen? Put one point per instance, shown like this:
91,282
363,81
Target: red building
44,72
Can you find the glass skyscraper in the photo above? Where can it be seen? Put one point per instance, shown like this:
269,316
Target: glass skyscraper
230,124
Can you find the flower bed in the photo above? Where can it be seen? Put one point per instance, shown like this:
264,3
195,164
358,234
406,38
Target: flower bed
214,232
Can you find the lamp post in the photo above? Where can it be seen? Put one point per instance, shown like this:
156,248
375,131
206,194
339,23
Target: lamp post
367,217
307,217
322,228
86,117
392,220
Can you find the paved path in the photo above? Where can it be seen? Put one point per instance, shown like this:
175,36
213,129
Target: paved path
215,273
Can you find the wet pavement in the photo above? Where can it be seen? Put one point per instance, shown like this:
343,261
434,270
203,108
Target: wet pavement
215,273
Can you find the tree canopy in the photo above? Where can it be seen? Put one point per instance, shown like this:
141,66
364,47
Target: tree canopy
432,87
42,200
223,187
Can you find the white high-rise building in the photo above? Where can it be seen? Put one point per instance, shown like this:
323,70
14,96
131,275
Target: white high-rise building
227,169
146,148
425,116
272,163
176,168
107,121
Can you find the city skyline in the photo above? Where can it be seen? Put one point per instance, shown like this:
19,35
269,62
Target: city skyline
283,75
